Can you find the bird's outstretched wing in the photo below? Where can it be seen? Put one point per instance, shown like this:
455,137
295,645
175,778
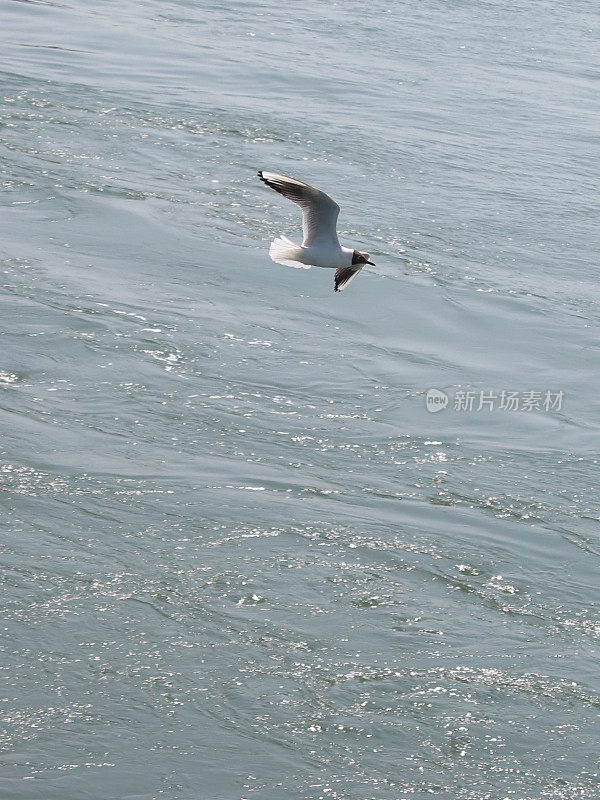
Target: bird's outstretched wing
319,211
344,275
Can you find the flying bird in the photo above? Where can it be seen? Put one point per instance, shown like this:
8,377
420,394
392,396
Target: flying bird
320,246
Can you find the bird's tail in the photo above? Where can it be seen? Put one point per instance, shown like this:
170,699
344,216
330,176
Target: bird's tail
284,251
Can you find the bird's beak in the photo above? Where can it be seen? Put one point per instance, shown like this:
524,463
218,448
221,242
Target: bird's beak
371,263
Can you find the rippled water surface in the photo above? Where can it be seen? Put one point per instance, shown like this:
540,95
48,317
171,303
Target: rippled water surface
240,558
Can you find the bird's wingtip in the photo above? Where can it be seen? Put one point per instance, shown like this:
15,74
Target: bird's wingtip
343,276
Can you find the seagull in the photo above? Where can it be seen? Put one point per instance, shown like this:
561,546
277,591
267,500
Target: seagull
320,246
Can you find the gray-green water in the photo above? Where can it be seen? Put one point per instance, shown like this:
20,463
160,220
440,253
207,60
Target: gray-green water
239,556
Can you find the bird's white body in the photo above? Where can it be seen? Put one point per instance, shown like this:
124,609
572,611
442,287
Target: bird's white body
326,254
320,246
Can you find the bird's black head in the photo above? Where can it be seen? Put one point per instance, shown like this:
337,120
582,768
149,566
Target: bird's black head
361,258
